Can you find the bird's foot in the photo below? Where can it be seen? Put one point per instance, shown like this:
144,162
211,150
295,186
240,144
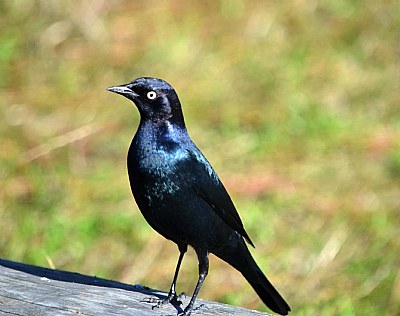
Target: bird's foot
172,298
188,310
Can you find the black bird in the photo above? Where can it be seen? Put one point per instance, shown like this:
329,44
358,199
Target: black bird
181,196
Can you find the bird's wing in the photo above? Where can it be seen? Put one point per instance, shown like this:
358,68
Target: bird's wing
209,187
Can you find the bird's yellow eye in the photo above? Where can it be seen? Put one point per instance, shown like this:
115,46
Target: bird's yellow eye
151,95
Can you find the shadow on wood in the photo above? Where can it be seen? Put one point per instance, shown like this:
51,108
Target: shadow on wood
65,276
31,290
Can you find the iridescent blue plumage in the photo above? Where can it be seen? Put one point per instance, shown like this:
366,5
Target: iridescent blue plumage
179,193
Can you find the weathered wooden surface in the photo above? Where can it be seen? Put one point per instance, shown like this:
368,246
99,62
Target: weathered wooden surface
27,290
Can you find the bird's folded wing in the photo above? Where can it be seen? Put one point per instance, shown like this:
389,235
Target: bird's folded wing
208,186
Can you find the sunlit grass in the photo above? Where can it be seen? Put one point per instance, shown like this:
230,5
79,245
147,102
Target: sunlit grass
295,104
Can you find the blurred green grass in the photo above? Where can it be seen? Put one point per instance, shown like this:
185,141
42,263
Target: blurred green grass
296,104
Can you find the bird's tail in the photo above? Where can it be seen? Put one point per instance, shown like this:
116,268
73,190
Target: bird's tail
242,260
266,291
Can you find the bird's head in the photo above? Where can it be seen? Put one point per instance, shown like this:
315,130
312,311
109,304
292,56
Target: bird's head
155,99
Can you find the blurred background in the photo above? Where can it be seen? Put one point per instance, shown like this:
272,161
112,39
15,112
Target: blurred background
296,105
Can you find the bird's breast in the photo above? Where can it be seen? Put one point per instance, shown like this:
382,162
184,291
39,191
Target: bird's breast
153,168
159,161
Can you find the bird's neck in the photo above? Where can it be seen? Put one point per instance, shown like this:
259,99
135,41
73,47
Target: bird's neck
162,132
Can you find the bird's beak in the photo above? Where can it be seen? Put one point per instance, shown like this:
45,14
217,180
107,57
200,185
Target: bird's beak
124,90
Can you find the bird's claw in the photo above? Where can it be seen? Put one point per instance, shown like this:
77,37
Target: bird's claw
174,299
150,300
181,295
199,307
188,313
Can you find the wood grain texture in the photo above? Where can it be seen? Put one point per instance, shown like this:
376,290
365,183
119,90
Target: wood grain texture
27,290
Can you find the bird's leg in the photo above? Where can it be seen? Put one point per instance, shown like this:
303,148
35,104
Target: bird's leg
202,256
172,292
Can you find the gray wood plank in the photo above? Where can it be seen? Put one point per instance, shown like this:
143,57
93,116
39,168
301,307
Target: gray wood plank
27,290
